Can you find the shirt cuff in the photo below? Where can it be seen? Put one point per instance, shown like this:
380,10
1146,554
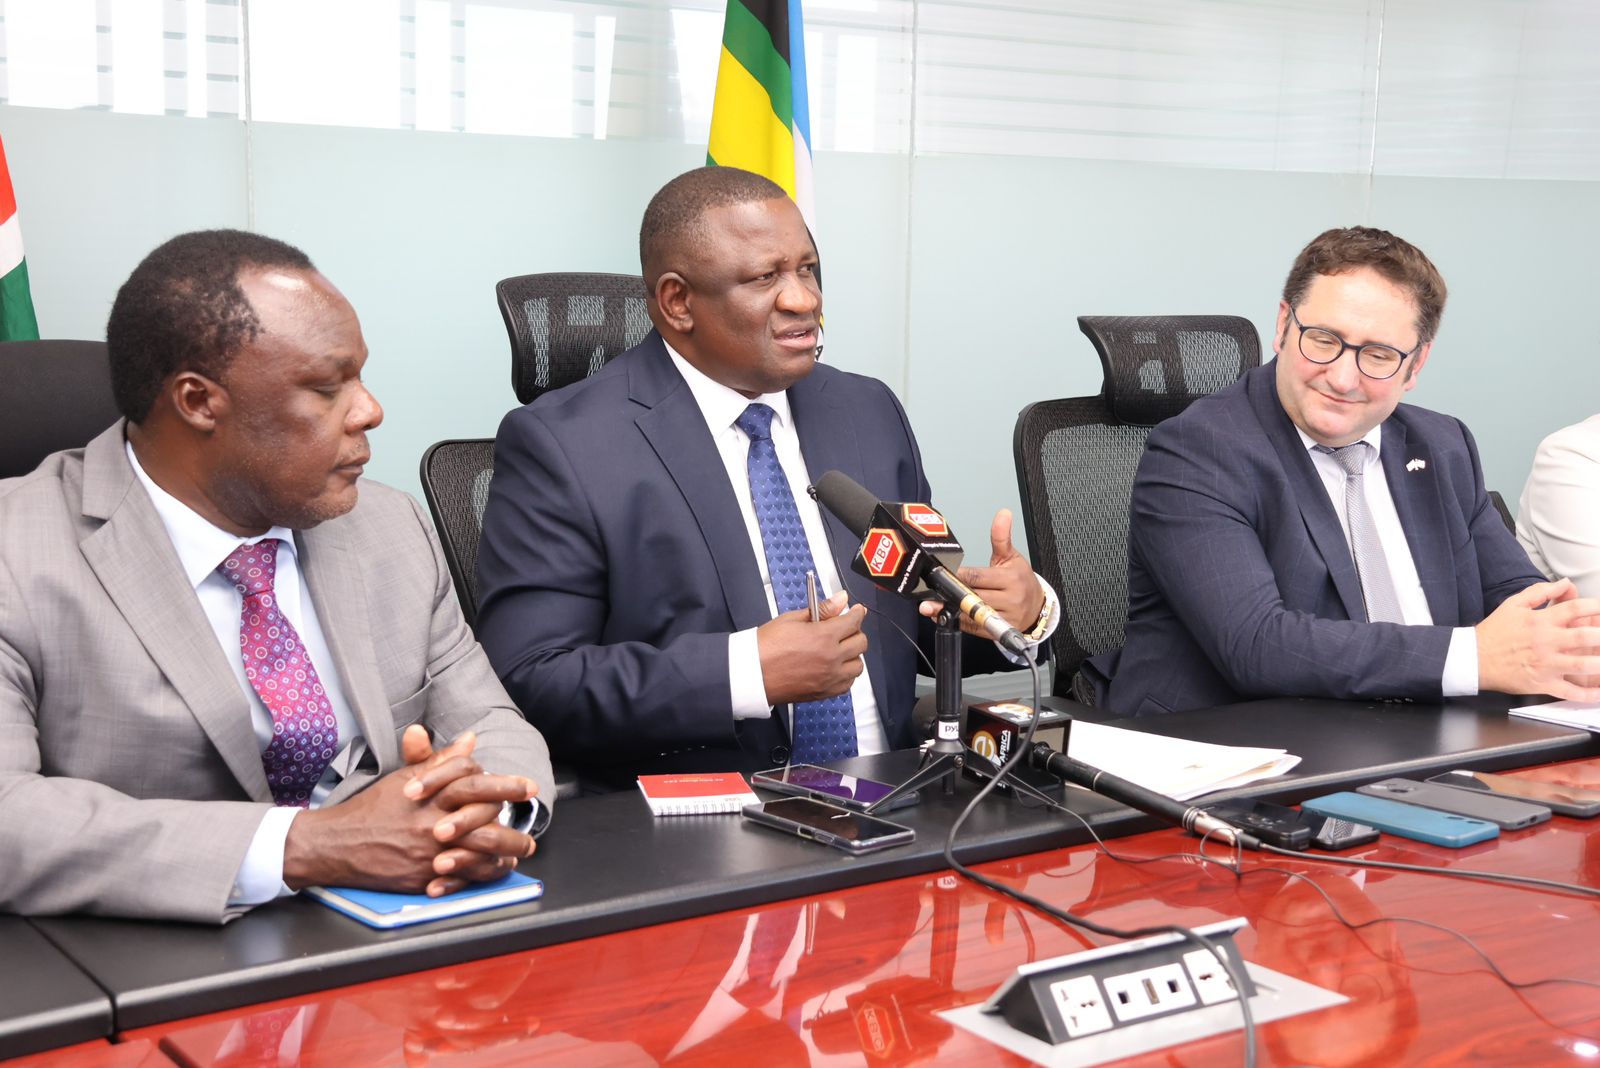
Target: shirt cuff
260,877
746,685
1049,619
1461,664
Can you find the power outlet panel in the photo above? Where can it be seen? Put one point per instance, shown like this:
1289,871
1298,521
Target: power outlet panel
1083,1007
1210,978
1120,985
1149,992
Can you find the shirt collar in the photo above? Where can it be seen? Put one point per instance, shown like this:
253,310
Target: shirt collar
201,544
1372,437
719,404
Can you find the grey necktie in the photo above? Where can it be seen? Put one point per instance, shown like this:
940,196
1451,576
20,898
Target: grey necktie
1377,587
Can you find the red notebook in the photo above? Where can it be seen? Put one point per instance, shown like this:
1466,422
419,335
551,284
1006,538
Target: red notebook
691,793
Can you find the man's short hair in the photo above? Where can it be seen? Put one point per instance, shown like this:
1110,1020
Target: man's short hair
182,310
1343,250
672,220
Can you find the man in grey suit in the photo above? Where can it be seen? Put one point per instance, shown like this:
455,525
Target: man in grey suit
222,668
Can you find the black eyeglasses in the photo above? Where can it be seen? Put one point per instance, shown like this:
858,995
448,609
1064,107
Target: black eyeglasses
1321,345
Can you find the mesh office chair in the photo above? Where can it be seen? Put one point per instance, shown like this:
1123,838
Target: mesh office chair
564,327
1076,458
57,396
1499,503
455,482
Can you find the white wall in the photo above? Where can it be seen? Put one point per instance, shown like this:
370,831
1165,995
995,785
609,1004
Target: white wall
975,321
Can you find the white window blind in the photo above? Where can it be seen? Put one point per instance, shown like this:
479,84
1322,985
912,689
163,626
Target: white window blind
1469,88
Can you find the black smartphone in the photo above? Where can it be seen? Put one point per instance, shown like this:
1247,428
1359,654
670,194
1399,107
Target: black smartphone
1333,834
853,832
1507,813
834,787
1275,825
1567,800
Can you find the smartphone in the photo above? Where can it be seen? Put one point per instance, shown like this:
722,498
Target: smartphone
1333,834
1507,813
1274,824
1407,821
1567,800
834,787
853,832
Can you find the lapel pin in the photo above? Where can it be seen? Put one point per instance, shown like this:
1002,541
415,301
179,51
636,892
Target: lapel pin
1416,465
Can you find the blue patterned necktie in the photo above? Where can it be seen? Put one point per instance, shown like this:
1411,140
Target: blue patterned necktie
822,730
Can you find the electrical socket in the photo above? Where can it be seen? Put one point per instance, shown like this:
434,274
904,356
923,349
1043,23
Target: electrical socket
1135,995
1210,978
1083,1009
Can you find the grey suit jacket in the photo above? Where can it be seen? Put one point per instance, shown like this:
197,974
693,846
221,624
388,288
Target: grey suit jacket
130,779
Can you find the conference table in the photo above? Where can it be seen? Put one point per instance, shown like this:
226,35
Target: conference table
707,940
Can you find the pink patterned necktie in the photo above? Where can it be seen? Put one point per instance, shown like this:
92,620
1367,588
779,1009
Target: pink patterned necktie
305,735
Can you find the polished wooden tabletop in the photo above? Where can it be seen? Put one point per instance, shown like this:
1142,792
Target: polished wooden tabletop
858,976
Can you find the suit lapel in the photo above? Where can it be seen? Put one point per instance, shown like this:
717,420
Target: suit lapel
132,556
675,428
1316,510
332,570
1409,470
828,441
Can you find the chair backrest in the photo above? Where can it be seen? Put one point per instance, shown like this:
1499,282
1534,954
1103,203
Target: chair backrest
564,327
455,482
1499,503
57,395
1076,458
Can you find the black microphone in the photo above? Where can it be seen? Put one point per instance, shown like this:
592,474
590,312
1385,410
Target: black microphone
908,548
1133,795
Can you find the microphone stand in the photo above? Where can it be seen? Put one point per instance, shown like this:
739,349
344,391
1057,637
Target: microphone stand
947,755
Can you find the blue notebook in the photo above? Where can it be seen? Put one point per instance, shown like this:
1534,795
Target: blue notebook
375,908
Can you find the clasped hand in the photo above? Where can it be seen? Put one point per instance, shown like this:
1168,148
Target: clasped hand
431,827
1542,640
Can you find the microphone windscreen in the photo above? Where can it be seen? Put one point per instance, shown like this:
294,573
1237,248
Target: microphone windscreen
847,499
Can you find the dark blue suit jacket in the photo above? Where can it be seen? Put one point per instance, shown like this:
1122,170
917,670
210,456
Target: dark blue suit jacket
1240,581
615,563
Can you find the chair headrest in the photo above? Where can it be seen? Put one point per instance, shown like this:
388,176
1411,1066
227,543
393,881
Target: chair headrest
1155,365
57,396
565,326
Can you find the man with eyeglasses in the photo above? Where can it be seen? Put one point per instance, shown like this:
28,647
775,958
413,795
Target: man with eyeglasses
1299,533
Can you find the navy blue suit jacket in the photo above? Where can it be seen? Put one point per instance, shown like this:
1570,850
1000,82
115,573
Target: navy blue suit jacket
615,563
1240,581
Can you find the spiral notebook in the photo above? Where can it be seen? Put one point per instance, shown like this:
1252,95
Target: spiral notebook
692,793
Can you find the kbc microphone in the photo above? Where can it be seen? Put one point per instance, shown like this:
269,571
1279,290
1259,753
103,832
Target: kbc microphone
908,548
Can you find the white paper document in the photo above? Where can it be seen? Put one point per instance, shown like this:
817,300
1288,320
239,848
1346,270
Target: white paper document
1176,767
1585,715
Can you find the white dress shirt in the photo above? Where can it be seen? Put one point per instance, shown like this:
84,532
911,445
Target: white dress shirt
1558,521
201,546
1461,661
721,406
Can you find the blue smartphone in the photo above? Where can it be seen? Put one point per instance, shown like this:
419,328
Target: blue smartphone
1407,821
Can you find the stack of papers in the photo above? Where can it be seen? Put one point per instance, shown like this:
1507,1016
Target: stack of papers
1585,715
1179,768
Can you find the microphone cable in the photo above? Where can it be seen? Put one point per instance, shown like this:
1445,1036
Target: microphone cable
1070,918
1062,915
1239,872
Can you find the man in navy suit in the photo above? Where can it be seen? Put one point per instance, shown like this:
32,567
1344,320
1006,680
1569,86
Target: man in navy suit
636,597
1299,533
